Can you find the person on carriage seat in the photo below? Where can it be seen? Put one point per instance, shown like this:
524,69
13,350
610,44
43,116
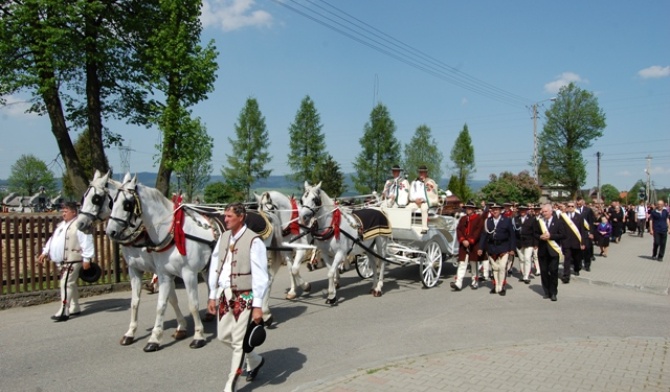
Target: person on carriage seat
423,193
396,189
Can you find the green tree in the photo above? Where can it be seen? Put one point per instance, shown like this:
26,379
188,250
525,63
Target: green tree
520,188
331,177
634,191
463,157
381,150
250,150
182,71
422,150
220,192
28,174
307,143
574,122
194,163
609,193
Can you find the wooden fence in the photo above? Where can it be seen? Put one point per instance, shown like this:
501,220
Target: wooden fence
22,237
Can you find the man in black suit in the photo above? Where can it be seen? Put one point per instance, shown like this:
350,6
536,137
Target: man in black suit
498,241
573,243
550,231
524,227
589,225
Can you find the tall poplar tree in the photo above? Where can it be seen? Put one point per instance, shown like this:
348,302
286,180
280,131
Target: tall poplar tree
307,145
574,122
381,150
463,157
250,150
422,150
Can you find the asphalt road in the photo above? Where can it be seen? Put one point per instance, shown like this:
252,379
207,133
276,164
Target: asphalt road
311,342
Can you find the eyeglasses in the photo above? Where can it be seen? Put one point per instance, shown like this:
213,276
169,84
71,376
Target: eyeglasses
571,206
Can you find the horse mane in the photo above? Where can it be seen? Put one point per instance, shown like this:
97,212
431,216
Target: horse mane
155,195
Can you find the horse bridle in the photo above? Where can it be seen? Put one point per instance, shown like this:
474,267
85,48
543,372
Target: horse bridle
133,207
97,201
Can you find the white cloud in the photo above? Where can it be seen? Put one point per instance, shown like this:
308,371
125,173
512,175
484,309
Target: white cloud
655,71
563,80
229,15
658,170
14,106
464,101
624,173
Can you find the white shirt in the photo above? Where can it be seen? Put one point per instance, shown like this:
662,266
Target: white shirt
55,246
641,212
259,269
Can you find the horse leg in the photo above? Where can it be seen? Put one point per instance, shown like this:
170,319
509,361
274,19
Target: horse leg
136,291
296,279
275,263
333,277
157,331
180,333
292,291
191,284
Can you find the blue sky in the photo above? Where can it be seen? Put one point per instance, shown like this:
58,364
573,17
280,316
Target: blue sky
504,55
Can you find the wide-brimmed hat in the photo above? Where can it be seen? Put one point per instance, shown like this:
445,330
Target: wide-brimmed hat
470,204
537,206
524,207
396,167
494,205
254,337
423,168
92,274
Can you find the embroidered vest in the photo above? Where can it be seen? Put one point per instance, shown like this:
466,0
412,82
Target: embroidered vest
73,250
240,267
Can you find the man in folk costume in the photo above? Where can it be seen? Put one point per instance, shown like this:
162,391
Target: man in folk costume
236,290
589,218
524,227
71,250
549,232
468,231
396,189
423,193
498,240
573,244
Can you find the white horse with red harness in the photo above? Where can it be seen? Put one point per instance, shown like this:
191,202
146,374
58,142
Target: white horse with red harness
336,232
286,210
96,205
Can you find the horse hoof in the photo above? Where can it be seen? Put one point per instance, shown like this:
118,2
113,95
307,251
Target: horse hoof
151,347
268,322
208,318
308,288
127,340
179,335
290,296
337,285
376,293
199,343
310,267
331,302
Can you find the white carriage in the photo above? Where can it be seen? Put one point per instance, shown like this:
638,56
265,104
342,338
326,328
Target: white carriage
409,246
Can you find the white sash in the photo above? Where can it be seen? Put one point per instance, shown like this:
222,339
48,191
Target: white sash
572,225
552,243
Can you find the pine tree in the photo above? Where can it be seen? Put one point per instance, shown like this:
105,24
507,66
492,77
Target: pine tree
331,177
463,156
307,143
422,150
250,150
381,150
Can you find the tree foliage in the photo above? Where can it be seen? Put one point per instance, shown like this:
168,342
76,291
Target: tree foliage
381,150
609,193
331,177
463,157
220,192
422,150
28,174
194,163
307,143
574,122
508,187
250,150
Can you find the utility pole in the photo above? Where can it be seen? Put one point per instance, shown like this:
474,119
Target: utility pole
536,169
648,170
598,155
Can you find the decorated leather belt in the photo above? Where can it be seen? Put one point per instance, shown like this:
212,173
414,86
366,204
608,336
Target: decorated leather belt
239,302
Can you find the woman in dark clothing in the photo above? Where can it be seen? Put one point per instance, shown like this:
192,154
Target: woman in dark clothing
631,219
603,234
616,220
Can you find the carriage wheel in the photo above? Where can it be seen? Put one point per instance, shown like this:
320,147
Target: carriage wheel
363,266
431,265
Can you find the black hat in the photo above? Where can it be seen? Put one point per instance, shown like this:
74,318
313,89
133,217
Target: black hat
537,207
92,274
423,168
254,337
396,167
470,204
524,207
70,205
507,204
494,205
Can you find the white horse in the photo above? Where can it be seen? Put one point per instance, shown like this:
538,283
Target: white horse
286,210
96,205
319,211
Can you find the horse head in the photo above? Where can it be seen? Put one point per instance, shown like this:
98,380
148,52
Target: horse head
126,216
310,203
96,204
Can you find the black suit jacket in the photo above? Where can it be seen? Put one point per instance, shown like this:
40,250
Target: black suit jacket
571,241
498,239
525,232
589,217
557,233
